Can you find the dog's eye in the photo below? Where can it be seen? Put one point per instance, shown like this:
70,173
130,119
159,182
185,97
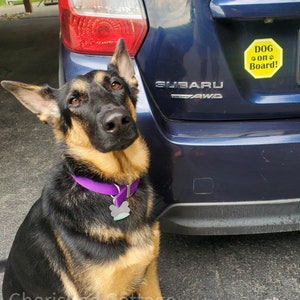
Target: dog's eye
115,85
74,102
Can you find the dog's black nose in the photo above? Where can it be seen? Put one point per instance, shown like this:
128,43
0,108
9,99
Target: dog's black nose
116,120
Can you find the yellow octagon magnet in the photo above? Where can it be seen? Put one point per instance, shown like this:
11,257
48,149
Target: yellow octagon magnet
263,58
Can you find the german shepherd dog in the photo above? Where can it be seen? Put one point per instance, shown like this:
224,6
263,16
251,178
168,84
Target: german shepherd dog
92,233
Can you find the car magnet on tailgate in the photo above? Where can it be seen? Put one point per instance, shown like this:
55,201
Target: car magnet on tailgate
263,58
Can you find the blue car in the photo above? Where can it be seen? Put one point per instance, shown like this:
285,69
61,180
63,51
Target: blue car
219,103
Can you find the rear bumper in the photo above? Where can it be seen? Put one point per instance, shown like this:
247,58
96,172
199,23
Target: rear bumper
230,218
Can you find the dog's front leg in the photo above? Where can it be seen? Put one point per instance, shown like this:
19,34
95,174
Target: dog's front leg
151,290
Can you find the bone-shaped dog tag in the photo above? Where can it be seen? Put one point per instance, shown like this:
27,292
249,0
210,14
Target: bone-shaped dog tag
120,213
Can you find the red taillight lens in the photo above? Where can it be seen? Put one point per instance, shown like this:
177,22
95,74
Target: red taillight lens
94,26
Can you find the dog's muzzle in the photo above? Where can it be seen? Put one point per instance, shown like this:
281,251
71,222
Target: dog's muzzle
119,128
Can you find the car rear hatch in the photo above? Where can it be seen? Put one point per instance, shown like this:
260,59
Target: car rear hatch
222,59
222,80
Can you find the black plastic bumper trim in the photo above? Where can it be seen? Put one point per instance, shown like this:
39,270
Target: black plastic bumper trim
232,218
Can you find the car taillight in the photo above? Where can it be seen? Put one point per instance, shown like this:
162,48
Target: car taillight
94,26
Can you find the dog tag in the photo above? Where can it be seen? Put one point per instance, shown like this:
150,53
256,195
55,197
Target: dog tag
120,213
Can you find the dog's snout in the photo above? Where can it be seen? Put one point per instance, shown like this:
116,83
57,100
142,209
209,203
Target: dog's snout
116,120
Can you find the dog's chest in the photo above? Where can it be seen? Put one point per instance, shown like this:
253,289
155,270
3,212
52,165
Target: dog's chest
119,277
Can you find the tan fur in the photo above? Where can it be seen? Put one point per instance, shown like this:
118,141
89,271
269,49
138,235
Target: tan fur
104,234
150,203
66,254
151,289
79,86
131,108
123,167
133,271
69,286
99,76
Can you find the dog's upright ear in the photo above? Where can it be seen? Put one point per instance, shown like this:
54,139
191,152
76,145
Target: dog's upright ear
122,61
40,100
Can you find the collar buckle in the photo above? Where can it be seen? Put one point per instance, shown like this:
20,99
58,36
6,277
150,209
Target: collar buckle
128,192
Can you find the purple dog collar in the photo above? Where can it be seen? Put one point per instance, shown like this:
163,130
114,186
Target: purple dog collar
119,193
